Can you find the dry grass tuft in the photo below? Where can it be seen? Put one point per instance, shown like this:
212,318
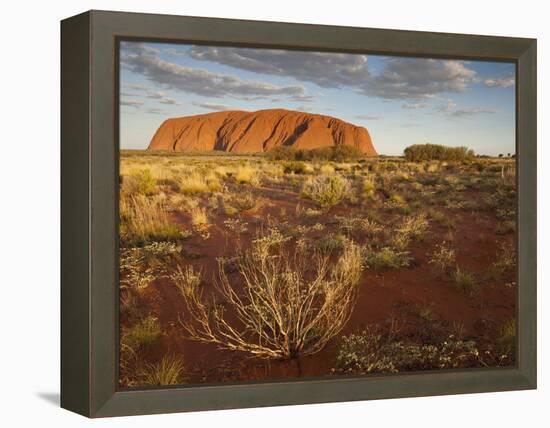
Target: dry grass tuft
166,372
143,220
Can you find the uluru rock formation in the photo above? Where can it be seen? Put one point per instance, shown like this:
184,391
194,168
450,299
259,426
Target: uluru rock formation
259,131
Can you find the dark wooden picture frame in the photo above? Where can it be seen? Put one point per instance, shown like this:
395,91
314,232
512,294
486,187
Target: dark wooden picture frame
89,212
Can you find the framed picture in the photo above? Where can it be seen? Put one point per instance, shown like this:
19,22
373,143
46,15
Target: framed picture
259,214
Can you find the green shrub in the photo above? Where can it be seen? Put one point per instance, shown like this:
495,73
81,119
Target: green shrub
337,153
330,243
465,282
506,261
411,228
388,258
506,340
427,152
141,334
326,190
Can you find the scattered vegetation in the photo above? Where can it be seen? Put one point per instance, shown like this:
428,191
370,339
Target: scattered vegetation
298,236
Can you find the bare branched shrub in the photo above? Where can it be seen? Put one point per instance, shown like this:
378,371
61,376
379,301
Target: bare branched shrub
281,306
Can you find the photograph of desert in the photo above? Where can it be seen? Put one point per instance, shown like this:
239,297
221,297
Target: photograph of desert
286,215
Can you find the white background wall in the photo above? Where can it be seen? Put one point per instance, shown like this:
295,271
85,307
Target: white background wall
29,214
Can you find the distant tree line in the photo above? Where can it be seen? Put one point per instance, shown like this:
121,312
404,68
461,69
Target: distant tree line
336,153
424,152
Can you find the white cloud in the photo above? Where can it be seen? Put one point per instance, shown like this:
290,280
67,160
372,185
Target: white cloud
419,78
213,106
329,70
156,111
450,109
504,82
473,111
169,101
156,94
131,103
413,106
137,58
367,117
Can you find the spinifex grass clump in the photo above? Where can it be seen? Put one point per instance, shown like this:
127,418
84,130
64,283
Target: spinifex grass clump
443,258
326,190
167,371
466,282
286,305
198,183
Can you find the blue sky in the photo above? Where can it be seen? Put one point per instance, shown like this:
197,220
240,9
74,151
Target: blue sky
401,101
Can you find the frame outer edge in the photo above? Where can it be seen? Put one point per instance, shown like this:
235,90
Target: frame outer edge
100,307
75,212
527,221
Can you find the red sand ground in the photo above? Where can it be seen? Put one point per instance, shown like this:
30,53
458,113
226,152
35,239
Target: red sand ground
384,294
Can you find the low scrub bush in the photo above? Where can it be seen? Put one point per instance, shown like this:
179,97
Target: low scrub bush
387,258
297,167
326,190
505,262
428,152
465,282
506,340
338,153
140,265
411,228
141,334
370,352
